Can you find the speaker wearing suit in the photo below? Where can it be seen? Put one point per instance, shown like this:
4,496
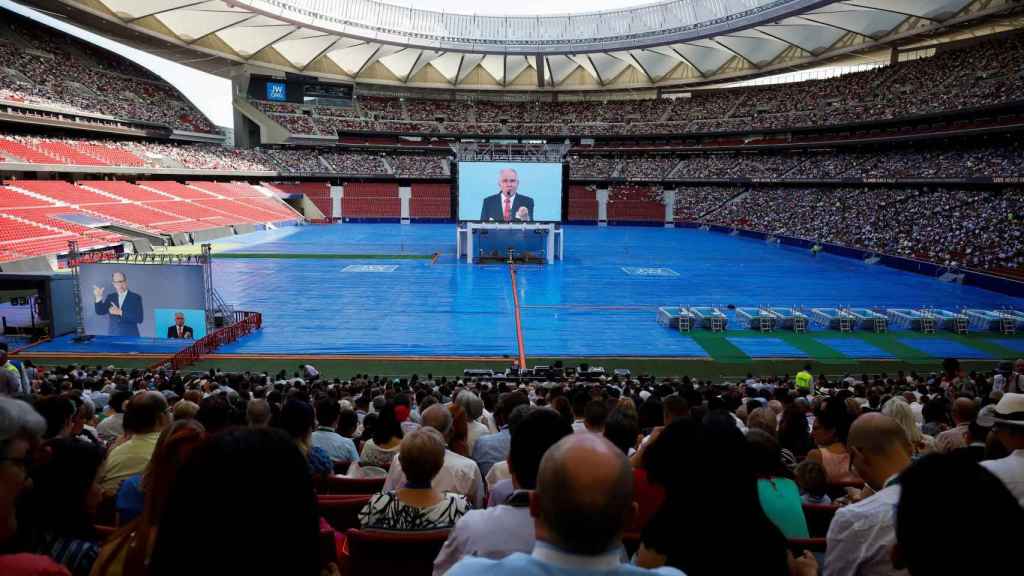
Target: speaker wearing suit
123,307
180,332
507,205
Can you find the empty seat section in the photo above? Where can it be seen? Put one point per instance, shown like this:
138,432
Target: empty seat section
636,211
371,207
577,192
124,190
21,152
228,189
185,209
431,190
69,154
240,210
42,216
582,210
11,230
371,190
14,199
63,191
133,214
175,189
430,207
112,156
319,193
274,206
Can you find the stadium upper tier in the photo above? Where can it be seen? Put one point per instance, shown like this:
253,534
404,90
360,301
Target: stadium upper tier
48,69
665,43
954,160
969,75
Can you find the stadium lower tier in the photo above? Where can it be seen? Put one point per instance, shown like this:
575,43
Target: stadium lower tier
40,217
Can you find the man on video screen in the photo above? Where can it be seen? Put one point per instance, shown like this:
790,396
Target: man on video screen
507,205
123,307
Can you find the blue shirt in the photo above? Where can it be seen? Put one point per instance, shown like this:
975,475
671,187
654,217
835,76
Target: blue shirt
339,448
130,499
548,560
491,449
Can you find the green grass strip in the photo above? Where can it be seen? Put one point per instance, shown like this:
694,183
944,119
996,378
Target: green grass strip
889,343
816,350
321,256
718,347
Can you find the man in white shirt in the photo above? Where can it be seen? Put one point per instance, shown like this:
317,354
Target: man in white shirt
473,406
1008,425
475,533
458,474
862,535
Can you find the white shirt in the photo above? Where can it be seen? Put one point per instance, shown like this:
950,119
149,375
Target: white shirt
1011,471
120,298
579,426
488,420
861,537
497,473
474,430
458,474
491,533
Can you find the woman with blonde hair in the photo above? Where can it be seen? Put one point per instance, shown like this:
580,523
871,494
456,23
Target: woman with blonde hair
898,409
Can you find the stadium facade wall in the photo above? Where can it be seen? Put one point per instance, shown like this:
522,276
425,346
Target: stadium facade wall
987,281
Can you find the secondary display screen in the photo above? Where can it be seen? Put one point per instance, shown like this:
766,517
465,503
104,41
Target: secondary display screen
277,91
510,191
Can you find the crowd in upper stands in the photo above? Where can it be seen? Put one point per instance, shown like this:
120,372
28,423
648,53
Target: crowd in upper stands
955,227
973,74
39,65
563,472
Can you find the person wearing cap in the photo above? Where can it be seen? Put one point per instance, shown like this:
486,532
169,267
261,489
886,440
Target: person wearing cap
1008,425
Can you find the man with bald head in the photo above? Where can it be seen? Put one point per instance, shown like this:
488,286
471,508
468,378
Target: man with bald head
145,416
508,205
964,411
861,536
458,474
582,504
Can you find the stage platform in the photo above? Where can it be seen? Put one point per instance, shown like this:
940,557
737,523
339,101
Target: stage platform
391,290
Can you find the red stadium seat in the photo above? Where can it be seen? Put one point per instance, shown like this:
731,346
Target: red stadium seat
346,485
407,554
342,512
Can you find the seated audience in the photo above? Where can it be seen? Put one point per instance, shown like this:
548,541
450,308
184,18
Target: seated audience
779,495
493,448
458,474
145,417
582,505
861,535
337,447
297,420
831,425
382,446
58,515
898,409
708,459
964,411
810,476
1008,427
21,429
475,534
215,499
917,516
416,505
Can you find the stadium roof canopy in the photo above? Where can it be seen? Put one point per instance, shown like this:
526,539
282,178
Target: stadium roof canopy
664,44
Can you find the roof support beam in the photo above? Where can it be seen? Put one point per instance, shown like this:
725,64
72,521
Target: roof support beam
157,12
830,25
880,9
222,28
320,53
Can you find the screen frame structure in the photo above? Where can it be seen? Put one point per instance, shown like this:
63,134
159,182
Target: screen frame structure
457,177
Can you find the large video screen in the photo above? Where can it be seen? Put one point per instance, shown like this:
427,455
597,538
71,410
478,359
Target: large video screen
147,300
510,191
277,91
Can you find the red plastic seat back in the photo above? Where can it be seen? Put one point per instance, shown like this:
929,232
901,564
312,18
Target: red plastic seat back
404,553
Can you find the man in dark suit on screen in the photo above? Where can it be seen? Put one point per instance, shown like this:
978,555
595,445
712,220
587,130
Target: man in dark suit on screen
179,329
507,205
123,307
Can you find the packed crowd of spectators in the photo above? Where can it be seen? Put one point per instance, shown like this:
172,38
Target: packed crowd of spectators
46,67
359,163
977,229
973,74
694,202
542,473
416,165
